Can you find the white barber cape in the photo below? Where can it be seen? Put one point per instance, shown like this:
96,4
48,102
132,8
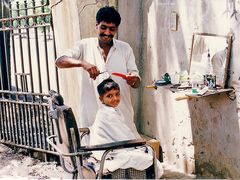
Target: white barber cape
109,127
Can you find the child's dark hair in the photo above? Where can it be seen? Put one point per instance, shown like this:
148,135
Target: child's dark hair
109,15
107,85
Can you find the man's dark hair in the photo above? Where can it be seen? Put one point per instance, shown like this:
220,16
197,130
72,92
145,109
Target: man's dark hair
108,15
107,85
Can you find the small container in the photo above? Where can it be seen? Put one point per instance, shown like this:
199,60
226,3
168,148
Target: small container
175,78
210,81
195,87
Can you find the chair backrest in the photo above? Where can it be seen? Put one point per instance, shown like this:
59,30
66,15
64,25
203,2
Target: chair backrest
64,124
67,143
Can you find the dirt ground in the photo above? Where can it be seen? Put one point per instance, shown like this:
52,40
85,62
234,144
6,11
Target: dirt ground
17,165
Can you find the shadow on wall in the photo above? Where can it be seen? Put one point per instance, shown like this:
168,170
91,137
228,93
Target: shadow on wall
166,51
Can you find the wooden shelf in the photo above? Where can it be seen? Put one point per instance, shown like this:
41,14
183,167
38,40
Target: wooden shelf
189,95
186,92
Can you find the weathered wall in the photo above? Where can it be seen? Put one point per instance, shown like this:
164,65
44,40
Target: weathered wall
197,136
204,132
67,32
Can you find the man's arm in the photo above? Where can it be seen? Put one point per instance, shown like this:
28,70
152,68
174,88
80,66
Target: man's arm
69,62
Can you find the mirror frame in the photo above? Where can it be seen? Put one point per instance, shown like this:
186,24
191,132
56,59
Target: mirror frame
229,38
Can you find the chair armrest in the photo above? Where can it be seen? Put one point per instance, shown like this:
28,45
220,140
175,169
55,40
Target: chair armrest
83,131
116,145
107,146
111,146
60,152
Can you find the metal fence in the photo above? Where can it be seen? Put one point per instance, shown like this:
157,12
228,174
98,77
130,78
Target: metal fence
24,120
27,73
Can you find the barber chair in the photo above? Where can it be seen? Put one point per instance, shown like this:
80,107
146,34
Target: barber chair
67,143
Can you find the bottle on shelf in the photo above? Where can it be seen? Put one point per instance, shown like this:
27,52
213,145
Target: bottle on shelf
210,78
209,65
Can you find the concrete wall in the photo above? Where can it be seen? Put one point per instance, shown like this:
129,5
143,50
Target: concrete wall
200,136
197,136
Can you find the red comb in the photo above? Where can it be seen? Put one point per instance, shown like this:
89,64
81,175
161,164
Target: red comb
119,75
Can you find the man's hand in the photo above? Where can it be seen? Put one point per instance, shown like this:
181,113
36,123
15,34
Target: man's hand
91,69
133,80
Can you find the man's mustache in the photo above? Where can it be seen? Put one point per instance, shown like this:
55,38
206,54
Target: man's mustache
104,35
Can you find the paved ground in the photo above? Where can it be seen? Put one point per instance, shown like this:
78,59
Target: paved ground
19,166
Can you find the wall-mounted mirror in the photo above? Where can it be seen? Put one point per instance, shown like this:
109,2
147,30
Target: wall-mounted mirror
210,53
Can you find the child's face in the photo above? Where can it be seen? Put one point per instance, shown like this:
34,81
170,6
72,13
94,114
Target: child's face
111,98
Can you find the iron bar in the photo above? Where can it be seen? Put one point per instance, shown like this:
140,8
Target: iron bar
46,119
43,130
14,122
31,125
31,148
29,50
46,50
37,143
39,127
9,121
24,123
1,122
34,132
4,20
7,62
5,122
19,120
26,8
28,121
55,56
17,124
24,93
26,128
25,27
17,34
13,50
38,58
1,65
1,76
21,48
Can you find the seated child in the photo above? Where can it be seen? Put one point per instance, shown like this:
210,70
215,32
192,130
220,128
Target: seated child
109,127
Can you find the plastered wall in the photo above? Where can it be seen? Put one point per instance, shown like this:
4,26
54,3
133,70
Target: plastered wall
198,136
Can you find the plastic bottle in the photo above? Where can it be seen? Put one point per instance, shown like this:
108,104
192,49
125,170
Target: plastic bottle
209,65
210,77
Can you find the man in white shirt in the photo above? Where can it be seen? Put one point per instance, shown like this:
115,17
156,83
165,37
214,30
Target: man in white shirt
103,54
